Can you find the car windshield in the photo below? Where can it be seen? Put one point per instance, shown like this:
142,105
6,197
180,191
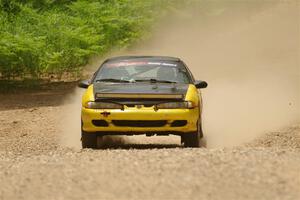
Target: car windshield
143,71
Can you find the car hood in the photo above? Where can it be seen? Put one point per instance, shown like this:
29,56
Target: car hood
140,90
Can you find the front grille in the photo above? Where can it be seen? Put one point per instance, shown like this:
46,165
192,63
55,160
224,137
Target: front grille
179,123
140,123
130,105
139,105
101,123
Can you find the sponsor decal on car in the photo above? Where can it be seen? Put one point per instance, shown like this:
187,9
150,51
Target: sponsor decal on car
120,64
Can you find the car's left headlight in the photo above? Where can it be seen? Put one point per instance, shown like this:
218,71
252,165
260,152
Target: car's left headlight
176,105
102,105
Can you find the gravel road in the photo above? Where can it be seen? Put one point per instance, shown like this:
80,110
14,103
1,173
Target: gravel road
34,164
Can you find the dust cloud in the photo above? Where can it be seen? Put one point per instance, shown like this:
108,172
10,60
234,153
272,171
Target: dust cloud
250,56
248,52
70,123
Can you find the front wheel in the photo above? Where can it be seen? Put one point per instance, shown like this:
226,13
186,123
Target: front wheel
88,140
191,140
195,139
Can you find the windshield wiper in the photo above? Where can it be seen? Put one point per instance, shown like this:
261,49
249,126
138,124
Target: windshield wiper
155,81
112,80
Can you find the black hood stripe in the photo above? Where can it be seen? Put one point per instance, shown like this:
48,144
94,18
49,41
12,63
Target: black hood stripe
138,89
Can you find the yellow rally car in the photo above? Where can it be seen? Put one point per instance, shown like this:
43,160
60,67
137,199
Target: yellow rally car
142,95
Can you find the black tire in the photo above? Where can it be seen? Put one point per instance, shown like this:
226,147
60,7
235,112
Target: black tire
193,140
88,140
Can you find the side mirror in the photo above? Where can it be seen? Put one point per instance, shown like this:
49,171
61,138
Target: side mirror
84,84
201,84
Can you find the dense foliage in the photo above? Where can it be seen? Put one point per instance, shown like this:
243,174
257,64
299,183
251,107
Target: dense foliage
54,36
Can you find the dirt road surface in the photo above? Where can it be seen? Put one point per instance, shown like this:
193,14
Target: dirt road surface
34,164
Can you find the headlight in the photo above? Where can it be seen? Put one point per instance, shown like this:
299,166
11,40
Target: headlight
103,105
176,105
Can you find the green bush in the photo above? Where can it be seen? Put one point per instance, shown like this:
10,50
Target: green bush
54,36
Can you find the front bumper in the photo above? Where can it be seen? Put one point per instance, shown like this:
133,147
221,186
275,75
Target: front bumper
140,120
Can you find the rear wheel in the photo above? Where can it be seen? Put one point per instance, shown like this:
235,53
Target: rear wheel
88,140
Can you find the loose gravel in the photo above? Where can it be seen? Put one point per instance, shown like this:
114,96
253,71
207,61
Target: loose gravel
34,164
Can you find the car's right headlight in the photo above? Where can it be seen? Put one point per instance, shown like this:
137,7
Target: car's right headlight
102,105
176,105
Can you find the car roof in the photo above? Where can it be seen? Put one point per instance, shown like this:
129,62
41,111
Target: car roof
148,58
